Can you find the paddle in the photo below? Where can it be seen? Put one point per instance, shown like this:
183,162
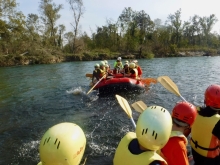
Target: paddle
167,83
149,80
95,84
89,75
125,106
139,106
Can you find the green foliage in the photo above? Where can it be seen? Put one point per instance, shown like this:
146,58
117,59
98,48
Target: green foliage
133,34
148,55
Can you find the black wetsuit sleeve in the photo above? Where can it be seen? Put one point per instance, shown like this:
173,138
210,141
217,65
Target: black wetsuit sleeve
216,130
132,71
156,162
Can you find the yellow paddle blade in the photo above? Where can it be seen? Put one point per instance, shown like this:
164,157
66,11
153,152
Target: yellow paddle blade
139,106
124,105
168,84
148,81
89,75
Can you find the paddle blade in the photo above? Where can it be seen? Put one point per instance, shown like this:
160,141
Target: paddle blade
168,84
148,81
89,75
139,106
124,105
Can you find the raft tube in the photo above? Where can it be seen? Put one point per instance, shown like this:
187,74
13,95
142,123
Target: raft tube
119,84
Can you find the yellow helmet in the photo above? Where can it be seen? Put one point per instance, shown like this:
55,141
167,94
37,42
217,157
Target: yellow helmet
154,127
63,144
132,65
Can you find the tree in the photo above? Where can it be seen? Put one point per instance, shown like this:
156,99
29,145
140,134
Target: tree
7,7
206,24
174,22
33,27
78,9
49,15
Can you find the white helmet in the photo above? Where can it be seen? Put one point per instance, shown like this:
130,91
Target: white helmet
64,144
154,127
102,63
132,65
105,61
119,58
96,65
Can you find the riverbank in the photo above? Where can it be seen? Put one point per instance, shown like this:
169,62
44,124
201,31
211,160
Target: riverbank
50,57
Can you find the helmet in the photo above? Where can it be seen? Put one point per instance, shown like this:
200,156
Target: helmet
96,65
63,143
212,96
132,65
135,61
154,127
184,112
126,62
105,61
102,63
119,58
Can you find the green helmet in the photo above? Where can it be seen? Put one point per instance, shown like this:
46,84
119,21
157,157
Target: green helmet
154,128
63,144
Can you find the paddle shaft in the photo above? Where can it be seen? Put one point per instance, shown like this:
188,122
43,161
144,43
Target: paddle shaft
95,85
130,115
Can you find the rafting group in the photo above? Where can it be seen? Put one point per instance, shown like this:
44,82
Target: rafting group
122,78
129,69
160,137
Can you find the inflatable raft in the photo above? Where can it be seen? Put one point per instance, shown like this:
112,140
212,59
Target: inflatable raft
119,84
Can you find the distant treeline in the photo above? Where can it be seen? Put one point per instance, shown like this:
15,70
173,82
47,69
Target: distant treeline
38,39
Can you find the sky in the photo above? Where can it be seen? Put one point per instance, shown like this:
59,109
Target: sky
98,11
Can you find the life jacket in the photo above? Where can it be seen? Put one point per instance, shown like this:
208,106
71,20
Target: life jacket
102,73
176,134
202,139
118,64
124,157
139,70
134,75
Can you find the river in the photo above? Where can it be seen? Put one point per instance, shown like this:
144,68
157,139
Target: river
34,98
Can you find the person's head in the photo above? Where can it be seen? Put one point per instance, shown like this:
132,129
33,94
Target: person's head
212,97
184,115
106,62
107,67
96,66
119,59
132,65
62,143
126,65
126,62
154,128
102,64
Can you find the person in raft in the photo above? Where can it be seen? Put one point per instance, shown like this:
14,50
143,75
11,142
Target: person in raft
205,134
118,65
140,72
63,143
152,133
133,73
175,151
96,73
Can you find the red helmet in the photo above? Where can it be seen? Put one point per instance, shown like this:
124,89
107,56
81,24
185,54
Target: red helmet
212,96
184,111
